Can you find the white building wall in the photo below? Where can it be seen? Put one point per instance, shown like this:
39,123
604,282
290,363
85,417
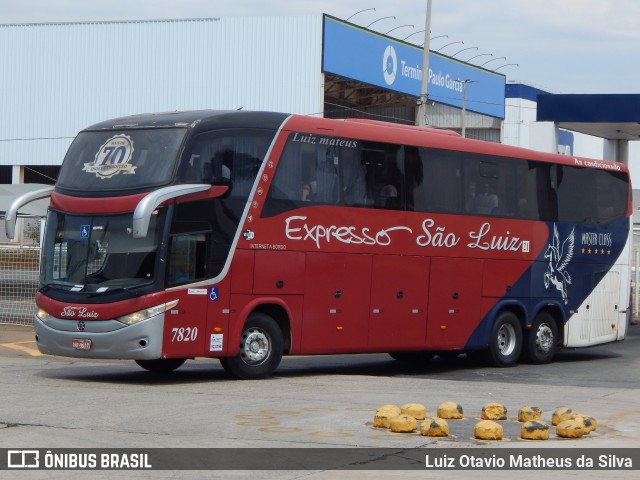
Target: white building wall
588,146
521,129
59,78
520,114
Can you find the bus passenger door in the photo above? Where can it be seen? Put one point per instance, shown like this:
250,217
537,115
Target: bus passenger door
191,261
184,326
455,291
398,313
336,303
199,324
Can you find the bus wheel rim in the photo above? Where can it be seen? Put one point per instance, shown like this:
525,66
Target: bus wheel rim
506,340
544,338
255,346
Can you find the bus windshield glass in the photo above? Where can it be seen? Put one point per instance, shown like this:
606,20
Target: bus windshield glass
98,253
121,160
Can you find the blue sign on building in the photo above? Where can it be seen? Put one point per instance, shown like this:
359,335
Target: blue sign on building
362,55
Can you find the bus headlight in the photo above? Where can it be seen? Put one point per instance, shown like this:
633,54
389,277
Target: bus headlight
142,315
43,316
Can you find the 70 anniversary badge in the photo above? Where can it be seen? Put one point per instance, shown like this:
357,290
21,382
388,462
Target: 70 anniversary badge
112,158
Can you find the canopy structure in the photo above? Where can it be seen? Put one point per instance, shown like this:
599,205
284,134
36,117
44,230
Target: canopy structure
614,117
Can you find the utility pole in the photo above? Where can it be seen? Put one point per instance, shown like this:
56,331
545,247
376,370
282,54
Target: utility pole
421,117
463,114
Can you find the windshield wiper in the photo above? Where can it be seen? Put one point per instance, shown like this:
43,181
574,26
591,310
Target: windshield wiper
111,290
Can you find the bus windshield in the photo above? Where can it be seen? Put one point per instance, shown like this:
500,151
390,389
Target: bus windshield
98,253
106,161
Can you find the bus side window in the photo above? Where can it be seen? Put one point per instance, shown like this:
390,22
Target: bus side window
547,192
490,187
441,190
353,179
295,170
326,176
186,258
225,157
611,201
305,173
384,164
244,168
293,182
413,175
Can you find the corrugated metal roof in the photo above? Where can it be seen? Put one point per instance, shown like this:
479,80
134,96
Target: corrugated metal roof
59,78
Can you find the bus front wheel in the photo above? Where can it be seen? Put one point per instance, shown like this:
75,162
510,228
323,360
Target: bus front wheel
161,365
541,342
261,347
505,343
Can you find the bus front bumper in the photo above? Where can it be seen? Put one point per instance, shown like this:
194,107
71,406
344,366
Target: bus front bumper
100,338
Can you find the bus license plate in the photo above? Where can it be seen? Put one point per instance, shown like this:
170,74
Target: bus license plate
81,343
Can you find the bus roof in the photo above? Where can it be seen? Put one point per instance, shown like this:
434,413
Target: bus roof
366,129
195,119
374,130
380,123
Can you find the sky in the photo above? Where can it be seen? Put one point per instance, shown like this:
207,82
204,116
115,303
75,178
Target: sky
561,46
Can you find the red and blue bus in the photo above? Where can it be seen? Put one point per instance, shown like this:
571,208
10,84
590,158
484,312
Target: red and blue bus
246,236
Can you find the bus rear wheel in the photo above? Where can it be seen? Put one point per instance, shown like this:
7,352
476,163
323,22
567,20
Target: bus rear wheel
541,342
161,365
505,343
261,348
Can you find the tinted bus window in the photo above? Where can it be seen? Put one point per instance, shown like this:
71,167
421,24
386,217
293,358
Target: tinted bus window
384,166
200,239
354,189
441,190
490,187
226,156
129,159
306,173
536,198
324,171
587,195
397,177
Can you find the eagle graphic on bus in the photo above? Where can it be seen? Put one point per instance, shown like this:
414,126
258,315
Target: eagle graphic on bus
559,255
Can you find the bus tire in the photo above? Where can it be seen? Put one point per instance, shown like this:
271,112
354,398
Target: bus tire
261,348
161,365
420,357
505,343
541,340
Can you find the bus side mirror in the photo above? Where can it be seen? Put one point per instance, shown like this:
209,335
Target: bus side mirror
11,214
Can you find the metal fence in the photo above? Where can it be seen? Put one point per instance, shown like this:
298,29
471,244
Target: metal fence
19,270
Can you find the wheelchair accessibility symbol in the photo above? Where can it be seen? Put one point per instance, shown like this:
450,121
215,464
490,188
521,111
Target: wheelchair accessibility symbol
84,231
213,295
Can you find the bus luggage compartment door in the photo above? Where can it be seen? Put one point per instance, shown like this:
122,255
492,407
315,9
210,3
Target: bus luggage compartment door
455,291
399,286
336,303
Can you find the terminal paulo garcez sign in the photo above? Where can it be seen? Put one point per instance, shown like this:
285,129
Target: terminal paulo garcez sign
362,55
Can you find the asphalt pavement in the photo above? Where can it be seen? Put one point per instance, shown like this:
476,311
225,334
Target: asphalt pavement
310,402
